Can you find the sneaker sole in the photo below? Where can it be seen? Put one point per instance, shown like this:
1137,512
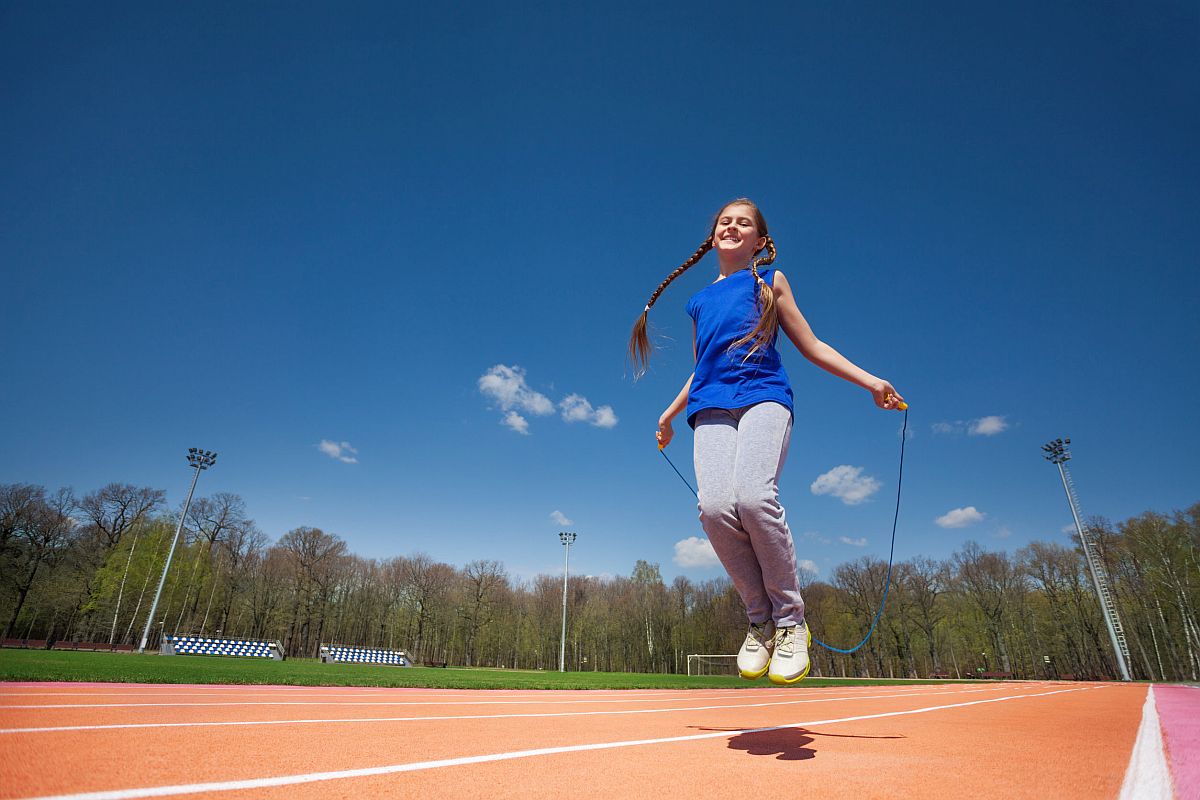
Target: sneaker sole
779,680
753,676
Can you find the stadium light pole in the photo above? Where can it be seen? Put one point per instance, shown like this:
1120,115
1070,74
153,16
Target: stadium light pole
566,538
1058,453
200,461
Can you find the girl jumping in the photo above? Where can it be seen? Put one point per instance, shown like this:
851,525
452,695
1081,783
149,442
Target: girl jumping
739,402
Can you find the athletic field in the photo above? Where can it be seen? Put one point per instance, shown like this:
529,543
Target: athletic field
1010,739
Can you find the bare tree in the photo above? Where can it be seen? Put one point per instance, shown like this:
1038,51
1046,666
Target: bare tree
1164,549
989,581
243,543
426,584
210,520
926,580
315,558
651,603
119,507
17,504
484,580
862,583
113,511
268,572
41,533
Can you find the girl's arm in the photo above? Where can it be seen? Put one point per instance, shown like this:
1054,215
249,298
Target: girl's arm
665,432
797,329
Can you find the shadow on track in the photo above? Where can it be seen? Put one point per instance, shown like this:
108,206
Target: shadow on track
786,744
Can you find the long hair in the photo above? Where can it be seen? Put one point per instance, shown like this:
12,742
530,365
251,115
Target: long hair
768,321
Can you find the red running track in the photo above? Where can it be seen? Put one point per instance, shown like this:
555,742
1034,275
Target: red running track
1010,740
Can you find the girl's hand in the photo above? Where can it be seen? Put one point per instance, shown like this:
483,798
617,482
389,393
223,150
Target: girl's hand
886,396
665,433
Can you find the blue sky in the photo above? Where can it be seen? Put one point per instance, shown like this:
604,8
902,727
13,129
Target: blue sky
257,230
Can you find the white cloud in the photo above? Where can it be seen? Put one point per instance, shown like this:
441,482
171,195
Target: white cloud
987,426
576,408
807,570
1002,533
506,385
960,517
515,421
605,417
342,451
560,518
816,537
983,426
1069,529
852,542
847,483
695,552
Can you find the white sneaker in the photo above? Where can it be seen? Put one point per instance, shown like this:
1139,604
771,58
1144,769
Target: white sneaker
789,661
755,656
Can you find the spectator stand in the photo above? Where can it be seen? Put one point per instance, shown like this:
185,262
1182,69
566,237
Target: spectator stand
338,654
204,646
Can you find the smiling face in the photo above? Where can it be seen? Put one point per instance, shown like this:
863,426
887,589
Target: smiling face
737,234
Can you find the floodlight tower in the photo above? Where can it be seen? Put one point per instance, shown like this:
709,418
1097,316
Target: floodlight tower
566,538
200,461
1057,453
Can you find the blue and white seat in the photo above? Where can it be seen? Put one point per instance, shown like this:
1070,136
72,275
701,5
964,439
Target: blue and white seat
333,653
206,646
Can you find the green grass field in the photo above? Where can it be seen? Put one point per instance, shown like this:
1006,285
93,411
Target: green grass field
54,665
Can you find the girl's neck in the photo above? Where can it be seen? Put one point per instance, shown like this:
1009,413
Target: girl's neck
730,265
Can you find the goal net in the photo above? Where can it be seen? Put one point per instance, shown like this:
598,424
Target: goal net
708,664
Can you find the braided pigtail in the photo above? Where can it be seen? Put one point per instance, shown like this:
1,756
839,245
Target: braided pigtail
768,318
639,341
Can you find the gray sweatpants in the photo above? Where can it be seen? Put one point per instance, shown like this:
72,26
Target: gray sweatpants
739,454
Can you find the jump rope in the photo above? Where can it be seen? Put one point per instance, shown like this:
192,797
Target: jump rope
891,552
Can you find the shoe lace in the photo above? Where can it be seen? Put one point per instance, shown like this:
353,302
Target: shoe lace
785,640
757,635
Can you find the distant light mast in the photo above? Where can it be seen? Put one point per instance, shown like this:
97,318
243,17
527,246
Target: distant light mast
566,537
199,460
1057,453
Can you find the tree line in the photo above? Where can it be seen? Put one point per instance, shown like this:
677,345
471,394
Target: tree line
86,569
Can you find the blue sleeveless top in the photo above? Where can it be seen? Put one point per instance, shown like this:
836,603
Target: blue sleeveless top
724,312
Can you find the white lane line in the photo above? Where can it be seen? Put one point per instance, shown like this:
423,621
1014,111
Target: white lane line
522,701
243,723
390,769
1148,777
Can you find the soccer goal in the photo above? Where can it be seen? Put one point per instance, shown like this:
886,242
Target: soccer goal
708,664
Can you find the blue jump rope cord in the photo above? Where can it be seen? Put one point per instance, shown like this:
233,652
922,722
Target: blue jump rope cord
887,584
